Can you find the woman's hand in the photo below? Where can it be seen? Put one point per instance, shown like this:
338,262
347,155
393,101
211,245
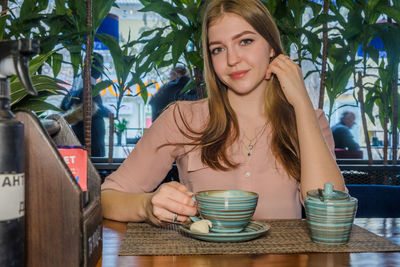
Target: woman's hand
291,79
171,202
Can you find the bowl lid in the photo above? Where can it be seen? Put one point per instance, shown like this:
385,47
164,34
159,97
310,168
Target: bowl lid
328,194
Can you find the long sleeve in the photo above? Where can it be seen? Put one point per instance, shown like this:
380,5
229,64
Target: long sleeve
148,163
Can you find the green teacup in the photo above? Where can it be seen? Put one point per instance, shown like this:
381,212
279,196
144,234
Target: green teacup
228,210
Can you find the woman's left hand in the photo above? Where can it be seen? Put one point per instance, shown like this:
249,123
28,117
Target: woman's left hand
291,79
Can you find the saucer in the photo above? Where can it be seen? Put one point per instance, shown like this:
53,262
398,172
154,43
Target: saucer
253,230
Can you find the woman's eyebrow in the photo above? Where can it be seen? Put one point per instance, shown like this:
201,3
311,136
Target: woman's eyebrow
236,36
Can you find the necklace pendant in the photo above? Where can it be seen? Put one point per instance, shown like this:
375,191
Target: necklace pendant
249,154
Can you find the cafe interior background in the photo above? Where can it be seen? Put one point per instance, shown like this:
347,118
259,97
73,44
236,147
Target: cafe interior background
356,45
351,46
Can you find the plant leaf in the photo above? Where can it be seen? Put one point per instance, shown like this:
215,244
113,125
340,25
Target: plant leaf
100,87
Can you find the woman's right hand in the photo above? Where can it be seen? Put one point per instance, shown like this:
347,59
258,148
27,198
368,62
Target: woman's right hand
170,199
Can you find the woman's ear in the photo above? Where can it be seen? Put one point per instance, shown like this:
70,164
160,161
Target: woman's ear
272,53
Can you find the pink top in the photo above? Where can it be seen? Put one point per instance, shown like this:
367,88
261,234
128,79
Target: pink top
146,167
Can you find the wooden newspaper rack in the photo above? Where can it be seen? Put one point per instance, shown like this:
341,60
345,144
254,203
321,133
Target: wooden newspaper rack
60,229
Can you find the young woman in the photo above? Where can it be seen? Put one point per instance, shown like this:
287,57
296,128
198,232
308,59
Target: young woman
256,131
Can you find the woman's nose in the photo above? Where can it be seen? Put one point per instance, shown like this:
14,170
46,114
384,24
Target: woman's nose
233,57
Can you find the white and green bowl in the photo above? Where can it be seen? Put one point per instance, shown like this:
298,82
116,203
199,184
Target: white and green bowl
228,210
330,215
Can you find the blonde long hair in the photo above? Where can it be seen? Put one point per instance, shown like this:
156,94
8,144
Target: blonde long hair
222,128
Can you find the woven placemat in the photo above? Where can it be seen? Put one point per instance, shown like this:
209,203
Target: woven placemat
285,236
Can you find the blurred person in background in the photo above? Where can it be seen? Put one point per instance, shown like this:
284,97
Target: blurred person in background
73,106
341,132
172,91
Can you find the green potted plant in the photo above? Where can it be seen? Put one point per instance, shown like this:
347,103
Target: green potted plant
64,26
120,126
352,29
126,70
178,42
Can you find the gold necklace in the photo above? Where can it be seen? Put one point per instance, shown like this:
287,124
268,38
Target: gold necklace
253,142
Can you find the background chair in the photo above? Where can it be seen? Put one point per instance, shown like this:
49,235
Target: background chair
348,154
376,200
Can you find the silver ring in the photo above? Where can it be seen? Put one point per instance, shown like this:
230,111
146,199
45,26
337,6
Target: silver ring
175,217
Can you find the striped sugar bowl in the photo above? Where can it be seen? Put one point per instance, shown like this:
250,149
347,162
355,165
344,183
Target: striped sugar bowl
330,215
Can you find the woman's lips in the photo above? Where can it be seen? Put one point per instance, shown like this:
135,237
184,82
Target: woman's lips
238,74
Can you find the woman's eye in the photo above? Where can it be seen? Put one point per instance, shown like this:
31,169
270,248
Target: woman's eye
246,41
216,50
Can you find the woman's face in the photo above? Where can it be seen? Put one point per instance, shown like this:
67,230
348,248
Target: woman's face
239,54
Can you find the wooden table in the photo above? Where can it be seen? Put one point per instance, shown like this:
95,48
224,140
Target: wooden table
113,233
